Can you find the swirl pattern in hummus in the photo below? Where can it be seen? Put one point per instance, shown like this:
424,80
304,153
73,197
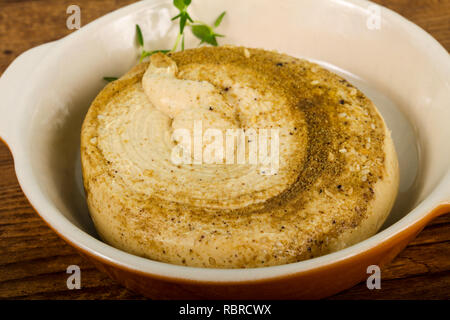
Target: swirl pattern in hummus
335,184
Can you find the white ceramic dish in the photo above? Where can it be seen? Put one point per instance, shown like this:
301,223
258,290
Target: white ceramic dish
46,92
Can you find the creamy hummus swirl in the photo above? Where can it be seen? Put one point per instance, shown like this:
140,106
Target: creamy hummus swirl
336,176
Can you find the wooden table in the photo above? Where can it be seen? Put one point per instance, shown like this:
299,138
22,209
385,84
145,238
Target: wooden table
33,260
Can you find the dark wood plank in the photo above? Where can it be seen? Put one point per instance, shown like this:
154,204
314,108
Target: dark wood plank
33,260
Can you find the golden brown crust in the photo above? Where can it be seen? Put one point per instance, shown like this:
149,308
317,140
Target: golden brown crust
337,186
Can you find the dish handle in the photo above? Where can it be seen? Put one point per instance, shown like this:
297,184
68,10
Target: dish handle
17,73
443,206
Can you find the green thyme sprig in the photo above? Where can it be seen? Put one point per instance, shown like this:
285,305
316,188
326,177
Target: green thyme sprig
202,31
140,40
184,17
207,33
110,79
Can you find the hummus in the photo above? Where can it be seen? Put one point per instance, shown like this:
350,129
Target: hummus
331,184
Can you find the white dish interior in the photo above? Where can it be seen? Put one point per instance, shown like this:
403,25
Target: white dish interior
403,70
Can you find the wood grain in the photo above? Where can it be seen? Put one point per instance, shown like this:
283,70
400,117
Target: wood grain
33,260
